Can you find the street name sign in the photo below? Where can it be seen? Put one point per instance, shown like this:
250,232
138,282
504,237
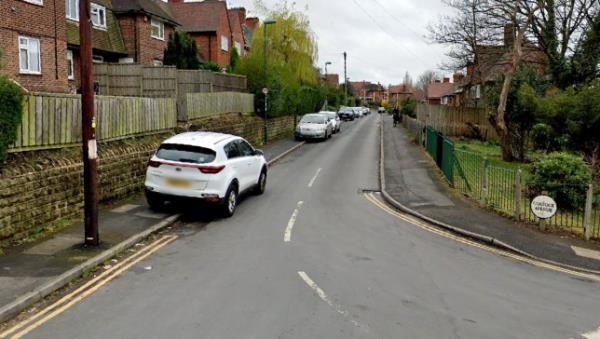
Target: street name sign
544,207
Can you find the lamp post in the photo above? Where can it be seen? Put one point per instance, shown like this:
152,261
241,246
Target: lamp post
327,84
266,89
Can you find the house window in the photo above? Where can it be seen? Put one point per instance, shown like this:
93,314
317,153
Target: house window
158,29
35,2
157,63
72,9
224,43
98,15
97,59
29,55
238,47
70,67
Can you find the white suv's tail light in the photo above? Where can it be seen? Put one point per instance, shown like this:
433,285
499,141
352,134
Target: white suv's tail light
211,169
154,163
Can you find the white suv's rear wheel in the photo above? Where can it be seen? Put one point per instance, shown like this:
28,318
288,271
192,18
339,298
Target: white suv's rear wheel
230,203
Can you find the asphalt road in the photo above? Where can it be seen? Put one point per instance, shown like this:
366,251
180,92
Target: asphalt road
349,270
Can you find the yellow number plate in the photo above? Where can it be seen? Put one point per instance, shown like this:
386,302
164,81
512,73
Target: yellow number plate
179,183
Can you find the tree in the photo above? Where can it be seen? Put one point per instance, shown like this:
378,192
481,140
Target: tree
292,51
558,27
585,63
426,78
463,32
408,82
233,60
181,51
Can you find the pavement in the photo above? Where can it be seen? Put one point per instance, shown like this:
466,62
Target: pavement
320,256
34,266
413,180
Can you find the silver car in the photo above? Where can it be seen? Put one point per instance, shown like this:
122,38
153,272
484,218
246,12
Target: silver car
314,126
334,119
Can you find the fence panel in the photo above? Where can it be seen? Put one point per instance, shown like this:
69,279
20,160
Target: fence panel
468,173
432,136
201,105
159,82
448,160
457,121
54,120
501,189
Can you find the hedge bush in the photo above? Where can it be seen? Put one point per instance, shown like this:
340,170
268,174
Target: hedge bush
564,176
11,98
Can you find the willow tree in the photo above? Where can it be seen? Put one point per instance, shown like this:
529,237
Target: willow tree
291,54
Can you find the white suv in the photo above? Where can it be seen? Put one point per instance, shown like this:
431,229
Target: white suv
212,167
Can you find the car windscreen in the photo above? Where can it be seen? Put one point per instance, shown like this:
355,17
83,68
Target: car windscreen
346,110
186,153
330,115
313,119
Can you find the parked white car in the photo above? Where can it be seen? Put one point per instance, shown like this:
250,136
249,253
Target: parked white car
314,126
358,112
334,119
213,167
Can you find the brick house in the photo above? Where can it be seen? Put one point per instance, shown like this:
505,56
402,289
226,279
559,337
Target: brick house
492,62
368,92
40,38
208,24
146,26
332,80
397,93
437,90
33,44
237,19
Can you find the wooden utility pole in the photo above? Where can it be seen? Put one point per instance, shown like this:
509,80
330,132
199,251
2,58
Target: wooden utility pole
90,148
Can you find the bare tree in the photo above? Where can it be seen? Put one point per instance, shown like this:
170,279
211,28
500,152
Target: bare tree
426,78
408,81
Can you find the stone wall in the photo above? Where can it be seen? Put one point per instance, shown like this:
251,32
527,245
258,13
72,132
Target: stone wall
37,191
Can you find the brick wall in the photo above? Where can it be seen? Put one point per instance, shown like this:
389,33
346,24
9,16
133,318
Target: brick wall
45,191
44,22
145,49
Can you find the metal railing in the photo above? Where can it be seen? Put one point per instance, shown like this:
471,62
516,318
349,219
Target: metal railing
506,190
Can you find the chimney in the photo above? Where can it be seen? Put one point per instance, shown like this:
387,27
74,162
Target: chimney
446,80
458,77
509,35
241,13
252,23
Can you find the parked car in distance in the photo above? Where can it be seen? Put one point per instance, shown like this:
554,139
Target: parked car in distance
346,114
212,167
366,110
358,112
381,110
314,126
334,119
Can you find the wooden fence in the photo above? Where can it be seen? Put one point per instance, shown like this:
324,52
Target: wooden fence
144,81
201,105
51,121
457,121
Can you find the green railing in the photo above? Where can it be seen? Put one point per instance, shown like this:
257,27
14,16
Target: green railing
504,189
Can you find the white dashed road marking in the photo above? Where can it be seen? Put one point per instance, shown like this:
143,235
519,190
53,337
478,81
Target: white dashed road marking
287,237
321,294
586,253
312,181
592,335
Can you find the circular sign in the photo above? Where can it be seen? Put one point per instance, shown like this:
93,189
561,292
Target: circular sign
544,207
265,91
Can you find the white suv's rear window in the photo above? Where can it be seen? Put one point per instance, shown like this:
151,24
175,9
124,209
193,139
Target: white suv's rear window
186,153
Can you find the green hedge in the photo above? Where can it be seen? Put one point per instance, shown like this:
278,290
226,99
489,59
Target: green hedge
11,98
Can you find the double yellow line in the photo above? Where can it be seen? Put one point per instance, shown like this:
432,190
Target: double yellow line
414,221
26,326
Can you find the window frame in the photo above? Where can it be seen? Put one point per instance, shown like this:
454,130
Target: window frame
76,8
70,65
39,55
224,41
161,27
98,8
35,2
244,144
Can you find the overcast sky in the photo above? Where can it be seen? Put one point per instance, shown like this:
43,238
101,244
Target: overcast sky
383,38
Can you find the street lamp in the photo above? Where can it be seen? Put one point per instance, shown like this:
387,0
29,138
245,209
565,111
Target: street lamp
327,84
266,89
